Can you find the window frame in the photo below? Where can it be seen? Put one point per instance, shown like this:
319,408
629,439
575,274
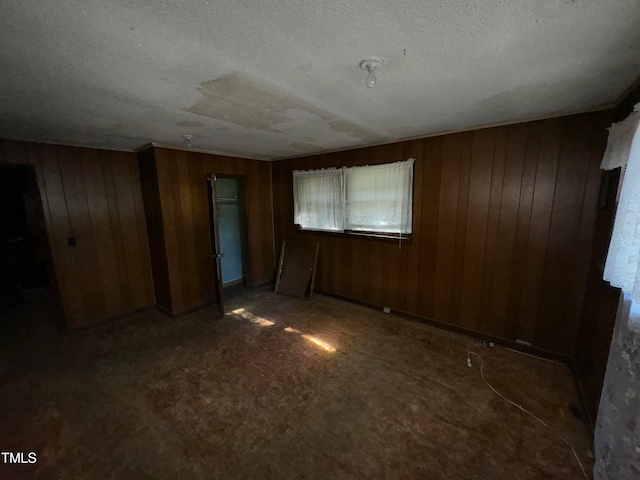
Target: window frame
371,234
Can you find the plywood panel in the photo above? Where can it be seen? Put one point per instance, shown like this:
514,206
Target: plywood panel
499,213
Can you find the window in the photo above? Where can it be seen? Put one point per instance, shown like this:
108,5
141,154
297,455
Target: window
375,199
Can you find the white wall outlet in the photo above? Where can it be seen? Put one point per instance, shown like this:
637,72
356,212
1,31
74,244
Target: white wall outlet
386,309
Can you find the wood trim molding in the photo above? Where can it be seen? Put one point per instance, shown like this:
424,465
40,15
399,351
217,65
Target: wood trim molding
528,349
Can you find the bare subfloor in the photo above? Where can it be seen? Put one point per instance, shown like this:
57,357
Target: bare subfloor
282,388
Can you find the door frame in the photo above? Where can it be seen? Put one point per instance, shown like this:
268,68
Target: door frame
245,228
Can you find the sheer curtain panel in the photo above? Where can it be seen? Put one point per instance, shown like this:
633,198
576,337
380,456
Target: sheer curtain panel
379,197
622,268
318,198
617,435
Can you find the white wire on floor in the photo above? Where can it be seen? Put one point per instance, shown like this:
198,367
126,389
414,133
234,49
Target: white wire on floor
520,407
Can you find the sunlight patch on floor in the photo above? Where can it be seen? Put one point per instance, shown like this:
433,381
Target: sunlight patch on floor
319,343
263,322
315,340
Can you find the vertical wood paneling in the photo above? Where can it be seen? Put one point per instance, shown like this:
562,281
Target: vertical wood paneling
188,230
183,201
265,218
553,323
201,232
144,258
503,221
523,223
476,234
533,264
512,182
491,252
119,237
461,227
429,196
92,195
134,252
80,226
57,219
254,201
105,250
447,222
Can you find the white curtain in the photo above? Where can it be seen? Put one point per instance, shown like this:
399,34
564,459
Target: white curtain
379,197
318,199
617,435
622,268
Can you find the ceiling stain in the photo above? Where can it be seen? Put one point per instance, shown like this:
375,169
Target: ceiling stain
238,98
354,130
189,124
241,99
305,146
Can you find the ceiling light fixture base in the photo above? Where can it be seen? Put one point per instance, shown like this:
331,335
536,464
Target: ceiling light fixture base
371,63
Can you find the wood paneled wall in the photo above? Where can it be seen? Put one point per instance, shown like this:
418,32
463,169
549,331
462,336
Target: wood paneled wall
503,221
177,206
95,196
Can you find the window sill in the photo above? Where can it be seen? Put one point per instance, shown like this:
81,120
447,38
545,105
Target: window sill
384,236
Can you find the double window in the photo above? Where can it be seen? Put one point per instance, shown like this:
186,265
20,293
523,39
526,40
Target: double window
370,199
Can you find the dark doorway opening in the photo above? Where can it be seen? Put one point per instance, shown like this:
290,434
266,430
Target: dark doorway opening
27,288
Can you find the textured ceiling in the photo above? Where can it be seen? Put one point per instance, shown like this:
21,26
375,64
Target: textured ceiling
277,78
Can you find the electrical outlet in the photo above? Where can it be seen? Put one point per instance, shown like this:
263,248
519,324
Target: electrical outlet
386,309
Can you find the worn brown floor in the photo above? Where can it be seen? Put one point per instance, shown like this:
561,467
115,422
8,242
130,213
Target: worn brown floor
262,394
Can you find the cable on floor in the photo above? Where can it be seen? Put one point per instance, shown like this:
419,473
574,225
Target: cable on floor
520,407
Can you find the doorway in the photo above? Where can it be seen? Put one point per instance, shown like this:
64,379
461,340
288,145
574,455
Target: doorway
28,296
229,234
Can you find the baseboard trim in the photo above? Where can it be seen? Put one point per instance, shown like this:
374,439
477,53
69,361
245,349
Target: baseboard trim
528,349
171,314
262,285
233,282
582,397
115,320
